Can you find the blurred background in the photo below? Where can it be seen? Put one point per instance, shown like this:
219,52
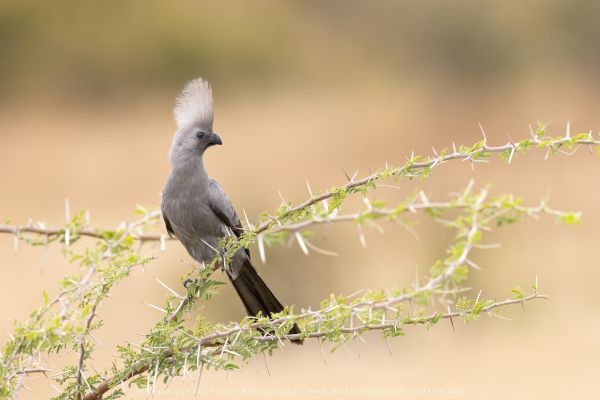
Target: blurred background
304,91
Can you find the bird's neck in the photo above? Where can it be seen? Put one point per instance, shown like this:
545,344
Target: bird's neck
191,167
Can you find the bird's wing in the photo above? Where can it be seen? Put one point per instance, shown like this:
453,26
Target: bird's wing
219,203
168,224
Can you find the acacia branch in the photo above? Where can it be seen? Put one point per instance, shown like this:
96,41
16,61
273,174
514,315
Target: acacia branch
208,340
216,339
411,168
82,355
40,229
114,247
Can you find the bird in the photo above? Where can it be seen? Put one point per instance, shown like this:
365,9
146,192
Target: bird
196,209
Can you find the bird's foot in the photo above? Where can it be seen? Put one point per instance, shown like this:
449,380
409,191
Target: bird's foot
188,281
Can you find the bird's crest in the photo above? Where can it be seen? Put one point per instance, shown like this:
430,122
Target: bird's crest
194,105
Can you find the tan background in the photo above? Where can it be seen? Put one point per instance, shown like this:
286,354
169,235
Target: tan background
304,91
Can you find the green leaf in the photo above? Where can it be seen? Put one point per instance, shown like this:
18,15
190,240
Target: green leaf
517,292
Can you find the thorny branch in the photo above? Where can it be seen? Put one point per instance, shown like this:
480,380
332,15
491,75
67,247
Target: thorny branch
335,321
217,342
39,228
385,323
82,351
372,313
476,153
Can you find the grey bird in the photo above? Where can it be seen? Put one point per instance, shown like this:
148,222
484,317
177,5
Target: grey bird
195,207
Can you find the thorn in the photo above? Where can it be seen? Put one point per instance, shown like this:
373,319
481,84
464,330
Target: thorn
86,382
237,336
248,224
281,197
469,187
198,351
361,236
162,243
155,307
301,242
451,321
266,363
367,203
223,348
512,153
325,206
472,264
309,190
376,226
322,351
184,367
67,237
568,130
387,342
168,288
261,249
487,246
483,133
424,198
320,250
199,376
147,385
206,243
347,176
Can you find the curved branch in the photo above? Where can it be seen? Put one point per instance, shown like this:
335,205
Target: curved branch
411,168
213,339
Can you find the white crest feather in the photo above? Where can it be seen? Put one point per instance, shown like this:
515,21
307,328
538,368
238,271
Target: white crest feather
194,104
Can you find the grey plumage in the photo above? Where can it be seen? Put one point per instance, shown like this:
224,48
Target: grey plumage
195,207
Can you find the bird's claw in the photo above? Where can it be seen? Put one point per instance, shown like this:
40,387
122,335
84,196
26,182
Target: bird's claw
188,281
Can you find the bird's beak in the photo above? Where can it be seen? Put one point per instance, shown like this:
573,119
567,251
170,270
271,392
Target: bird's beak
214,139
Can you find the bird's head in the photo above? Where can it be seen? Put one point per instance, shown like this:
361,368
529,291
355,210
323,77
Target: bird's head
194,116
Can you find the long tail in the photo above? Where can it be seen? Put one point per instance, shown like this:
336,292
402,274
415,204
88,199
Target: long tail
256,295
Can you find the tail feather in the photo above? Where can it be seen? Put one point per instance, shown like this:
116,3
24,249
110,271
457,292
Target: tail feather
256,295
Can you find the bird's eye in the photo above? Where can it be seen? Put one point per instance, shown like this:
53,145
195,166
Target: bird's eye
199,134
